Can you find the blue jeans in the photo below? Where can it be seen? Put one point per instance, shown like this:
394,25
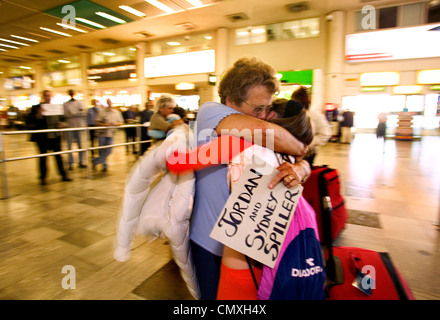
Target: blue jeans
71,137
207,267
103,153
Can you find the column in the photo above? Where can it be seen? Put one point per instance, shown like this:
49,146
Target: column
2,82
335,57
221,46
39,67
84,65
141,51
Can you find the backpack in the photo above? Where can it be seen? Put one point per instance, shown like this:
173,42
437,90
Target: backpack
299,273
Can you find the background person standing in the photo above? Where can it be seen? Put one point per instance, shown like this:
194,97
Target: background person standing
130,117
75,115
107,117
50,141
92,113
346,125
145,117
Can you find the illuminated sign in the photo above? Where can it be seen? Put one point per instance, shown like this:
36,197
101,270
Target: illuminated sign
401,43
412,89
180,63
379,78
112,71
428,76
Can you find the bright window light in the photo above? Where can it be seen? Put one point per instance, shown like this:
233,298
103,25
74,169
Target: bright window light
91,23
160,5
110,17
23,38
173,43
63,61
109,54
195,3
56,32
133,11
257,31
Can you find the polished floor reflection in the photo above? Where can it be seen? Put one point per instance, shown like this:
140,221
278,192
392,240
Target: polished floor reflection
391,189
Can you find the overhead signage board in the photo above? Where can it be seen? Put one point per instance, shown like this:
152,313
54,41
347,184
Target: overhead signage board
394,44
180,63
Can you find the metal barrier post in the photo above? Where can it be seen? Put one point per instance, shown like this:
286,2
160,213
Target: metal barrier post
86,153
138,139
5,194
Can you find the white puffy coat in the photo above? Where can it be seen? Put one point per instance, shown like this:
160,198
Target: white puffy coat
158,203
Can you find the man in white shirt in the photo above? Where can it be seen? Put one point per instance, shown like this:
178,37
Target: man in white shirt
75,115
109,117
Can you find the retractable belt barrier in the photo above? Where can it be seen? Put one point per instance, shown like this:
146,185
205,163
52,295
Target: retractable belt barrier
4,160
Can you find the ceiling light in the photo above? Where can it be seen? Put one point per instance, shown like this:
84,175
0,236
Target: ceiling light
23,38
2,49
133,11
185,86
160,5
257,31
109,54
173,43
208,37
64,61
195,3
14,42
110,17
39,35
57,32
66,26
94,24
24,67
8,46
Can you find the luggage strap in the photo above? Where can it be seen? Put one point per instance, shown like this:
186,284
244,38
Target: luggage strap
394,275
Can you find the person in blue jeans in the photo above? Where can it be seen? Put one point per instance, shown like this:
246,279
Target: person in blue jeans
246,92
111,118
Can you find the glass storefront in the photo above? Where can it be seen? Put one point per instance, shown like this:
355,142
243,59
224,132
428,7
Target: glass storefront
368,106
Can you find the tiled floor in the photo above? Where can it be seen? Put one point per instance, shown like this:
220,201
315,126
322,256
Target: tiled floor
391,189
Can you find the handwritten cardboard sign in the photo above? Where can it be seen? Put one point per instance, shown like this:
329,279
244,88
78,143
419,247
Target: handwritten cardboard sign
50,109
255,219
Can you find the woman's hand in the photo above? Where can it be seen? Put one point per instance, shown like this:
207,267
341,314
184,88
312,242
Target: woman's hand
291,174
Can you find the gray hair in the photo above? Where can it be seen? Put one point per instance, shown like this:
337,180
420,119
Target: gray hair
162,101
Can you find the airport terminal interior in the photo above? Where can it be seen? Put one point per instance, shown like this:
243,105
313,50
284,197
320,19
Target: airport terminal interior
391,189
132,51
